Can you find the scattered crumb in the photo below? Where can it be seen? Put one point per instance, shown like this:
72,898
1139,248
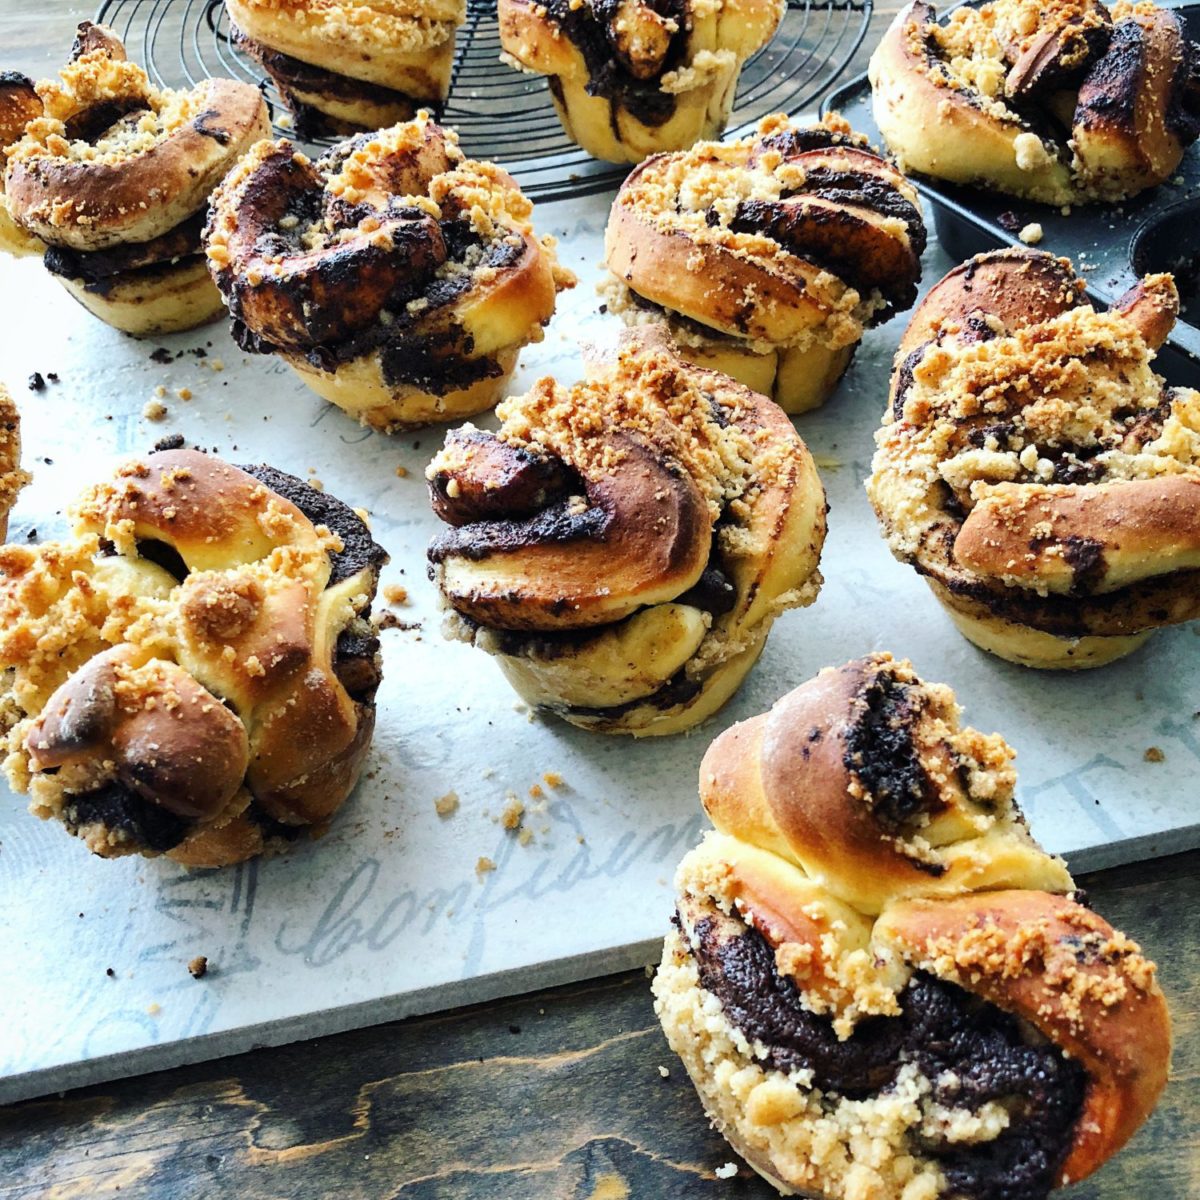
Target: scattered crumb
216,364
447,804
484,865
160,391
728,1171
552,779
395,594
1154,754
173,441
110,972
535,792
525,836
36,382
514,810
154,410
184,393
154,1009
1031,234
389,620
316,485
198,967
402,472
664,1072
161,355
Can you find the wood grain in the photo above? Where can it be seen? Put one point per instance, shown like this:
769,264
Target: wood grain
554,1095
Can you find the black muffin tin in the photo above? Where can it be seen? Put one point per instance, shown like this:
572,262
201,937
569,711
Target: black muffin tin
1111,245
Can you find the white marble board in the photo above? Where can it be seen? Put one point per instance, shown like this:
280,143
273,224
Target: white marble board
386,915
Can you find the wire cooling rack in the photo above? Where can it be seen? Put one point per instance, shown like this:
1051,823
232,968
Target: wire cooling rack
500,113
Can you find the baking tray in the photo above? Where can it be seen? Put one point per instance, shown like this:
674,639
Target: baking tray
1112,246
387,915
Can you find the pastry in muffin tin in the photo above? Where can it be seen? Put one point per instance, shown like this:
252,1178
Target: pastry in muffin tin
191,672
1062,102
1033,467
345,65
398,278
108,176
767,257
879,983
631,78
623,546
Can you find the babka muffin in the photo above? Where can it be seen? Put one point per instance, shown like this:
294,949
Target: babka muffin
1063,102
110,177
398,278
191,672
623,546
766,258
346,65
1034,468
631,78
881,986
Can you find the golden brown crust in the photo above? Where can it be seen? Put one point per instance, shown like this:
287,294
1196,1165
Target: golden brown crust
181,691
953,100
595,510
637,78
791,239
400,212
943,822
1067,972
403,45
140,172
1034,468
12,478
819,807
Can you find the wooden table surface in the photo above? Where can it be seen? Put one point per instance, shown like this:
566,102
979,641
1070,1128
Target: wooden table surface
554,1095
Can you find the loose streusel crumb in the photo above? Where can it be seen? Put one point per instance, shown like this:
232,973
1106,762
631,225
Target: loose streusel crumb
510,818
198,967
1154,754
484,865
154,410
447,804
393,593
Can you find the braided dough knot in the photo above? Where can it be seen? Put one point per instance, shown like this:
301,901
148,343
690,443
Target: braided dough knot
880,984
1034,466
211,625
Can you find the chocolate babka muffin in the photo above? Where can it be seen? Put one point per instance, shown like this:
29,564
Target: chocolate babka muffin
1035,470
398,278
1062,101
631,78
768,257
624,546
880,985
109,176
192,672
346,65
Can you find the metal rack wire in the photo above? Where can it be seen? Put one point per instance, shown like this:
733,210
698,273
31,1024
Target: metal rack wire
500,113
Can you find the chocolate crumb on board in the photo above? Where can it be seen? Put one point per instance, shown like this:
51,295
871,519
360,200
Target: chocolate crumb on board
389,620
36,382
198,967
52,376
161,355
173,441
110,972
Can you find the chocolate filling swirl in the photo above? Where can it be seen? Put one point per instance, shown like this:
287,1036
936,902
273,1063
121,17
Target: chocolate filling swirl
971,1052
